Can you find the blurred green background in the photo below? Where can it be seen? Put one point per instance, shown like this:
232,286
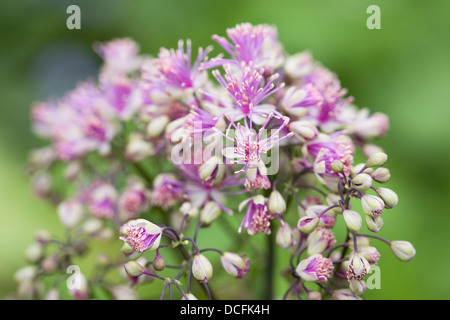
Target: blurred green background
402,70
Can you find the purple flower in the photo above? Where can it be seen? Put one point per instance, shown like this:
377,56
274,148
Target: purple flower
256,219
248,89
166,191
315,268
101,200
173,70
327,148
141,235
250,44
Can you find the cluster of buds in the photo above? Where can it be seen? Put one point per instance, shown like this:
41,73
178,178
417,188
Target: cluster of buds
156,148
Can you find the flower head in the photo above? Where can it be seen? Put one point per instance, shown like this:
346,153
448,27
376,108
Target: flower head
256,219
315,268
141,235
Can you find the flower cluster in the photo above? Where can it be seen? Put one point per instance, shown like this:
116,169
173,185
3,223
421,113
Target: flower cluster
157,148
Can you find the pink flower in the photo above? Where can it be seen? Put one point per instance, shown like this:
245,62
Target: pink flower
141,235
256,219
315,268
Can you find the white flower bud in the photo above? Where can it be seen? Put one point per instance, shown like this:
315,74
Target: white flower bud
189,296
34,252
276,203
210,212
377,159
345,294
304,130
357,286
381,175
372,205
337,165
70,213
308,224
374,224
137,148
352,220
213,170
134,269
314,295
403,250
285,237
157,125
389,197
358,267
202,269
362,182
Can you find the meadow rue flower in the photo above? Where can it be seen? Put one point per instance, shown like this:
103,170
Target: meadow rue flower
256,219
358,267
234,264
142,235
146,139
315,268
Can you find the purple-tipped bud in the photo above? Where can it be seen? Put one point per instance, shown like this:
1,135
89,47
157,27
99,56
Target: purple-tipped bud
320,240
372,205
159,263
235,265
374,224
357,286
308,224
202,269
345,294
285,236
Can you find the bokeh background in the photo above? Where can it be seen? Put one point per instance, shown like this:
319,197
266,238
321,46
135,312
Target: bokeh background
403,70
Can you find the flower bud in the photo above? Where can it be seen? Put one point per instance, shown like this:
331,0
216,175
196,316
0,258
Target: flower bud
377,159
362,182
137,148
202,269
52,294
403,250
314,295
370,149
234,264
389,197
189,296
134,269
49,264
124,293
374,224
159,263
210,212
80,289
70,213
157,125
276,203
381,175
142,235
304,130
187,209
358,267
308,224
345,294
320,240
92,226
42,236
370,253
212,171
352,220
357,286
315,268
34,252
372,205
337,165
285,237
72,170
42,184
